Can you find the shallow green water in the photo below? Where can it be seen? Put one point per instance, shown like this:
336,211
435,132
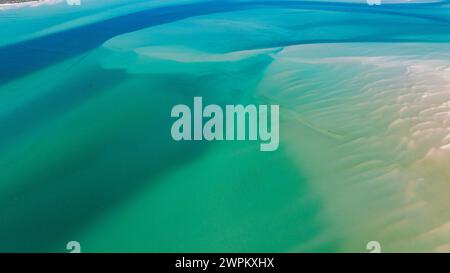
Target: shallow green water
86,152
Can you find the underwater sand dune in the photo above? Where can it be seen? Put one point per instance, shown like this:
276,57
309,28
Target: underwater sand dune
384,174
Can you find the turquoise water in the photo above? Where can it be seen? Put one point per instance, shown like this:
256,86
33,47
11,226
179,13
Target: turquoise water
86,152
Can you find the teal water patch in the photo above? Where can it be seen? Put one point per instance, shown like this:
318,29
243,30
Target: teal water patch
86,152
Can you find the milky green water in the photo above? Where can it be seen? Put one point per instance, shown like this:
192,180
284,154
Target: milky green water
86,152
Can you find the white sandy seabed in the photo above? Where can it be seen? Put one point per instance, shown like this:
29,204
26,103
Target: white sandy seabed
31,4
373,129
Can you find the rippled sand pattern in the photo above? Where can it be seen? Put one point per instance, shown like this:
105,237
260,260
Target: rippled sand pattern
383,129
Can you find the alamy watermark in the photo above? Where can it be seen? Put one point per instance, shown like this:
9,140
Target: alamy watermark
73,2
74,247
374,247
374,2
235,122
